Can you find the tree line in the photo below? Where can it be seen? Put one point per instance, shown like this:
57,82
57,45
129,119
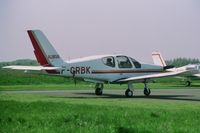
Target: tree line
25,62
178,62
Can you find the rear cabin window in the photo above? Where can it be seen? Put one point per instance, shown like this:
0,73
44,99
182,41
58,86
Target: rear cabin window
136,63
109,61
123,62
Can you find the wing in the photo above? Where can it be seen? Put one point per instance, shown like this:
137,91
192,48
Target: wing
197,75
151,76
33,68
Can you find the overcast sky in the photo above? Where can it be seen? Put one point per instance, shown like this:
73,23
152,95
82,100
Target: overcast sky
79,28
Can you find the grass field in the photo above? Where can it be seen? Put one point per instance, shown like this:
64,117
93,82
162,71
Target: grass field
35,113
22,113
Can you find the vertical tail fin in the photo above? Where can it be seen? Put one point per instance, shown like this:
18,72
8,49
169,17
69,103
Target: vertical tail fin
45,53
158,59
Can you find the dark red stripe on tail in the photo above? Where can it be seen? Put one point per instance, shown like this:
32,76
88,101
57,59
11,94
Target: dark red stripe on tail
37,51
39,54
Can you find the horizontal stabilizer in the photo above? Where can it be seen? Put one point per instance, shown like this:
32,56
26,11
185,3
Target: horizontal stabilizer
34,68
197,75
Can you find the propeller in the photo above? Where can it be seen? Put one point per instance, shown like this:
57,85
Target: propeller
168,67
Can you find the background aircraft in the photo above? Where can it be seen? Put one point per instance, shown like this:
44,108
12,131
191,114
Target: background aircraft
193,69
99,69
193,75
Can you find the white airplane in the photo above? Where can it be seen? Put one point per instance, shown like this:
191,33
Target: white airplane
99,69
193,69
192,75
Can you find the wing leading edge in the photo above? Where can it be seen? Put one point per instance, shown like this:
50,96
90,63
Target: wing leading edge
152,76
197,75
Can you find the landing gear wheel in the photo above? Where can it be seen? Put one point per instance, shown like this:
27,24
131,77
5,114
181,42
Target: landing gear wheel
98,91
129,93
147,91
188,83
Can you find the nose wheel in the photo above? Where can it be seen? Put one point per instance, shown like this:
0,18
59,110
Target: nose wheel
99,89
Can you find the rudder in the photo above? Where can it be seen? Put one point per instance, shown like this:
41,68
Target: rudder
158,59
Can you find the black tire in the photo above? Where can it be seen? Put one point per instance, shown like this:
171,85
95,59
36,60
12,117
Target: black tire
128,93
188,83
98,91
147,91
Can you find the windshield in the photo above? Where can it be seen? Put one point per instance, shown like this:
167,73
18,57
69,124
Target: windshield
109,61
123,62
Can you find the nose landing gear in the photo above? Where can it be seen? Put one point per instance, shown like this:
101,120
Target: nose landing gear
147,91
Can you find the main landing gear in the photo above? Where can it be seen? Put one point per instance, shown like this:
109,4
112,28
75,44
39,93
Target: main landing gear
188,83
147,91
129,92
99,89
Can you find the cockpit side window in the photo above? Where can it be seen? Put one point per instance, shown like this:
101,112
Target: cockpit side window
136,63
123,62
109,61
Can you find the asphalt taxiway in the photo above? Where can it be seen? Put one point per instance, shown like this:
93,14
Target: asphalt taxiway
164,94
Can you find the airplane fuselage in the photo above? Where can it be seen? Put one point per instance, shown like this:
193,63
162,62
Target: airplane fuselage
94,69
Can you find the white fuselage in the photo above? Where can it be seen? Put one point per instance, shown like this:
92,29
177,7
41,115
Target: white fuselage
94,69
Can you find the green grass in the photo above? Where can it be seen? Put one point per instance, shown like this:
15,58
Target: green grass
43,113
11,77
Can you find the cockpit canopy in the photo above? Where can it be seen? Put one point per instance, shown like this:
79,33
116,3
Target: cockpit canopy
109,61
121,61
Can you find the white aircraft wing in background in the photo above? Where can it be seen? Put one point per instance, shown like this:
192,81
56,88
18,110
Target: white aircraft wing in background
197,75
